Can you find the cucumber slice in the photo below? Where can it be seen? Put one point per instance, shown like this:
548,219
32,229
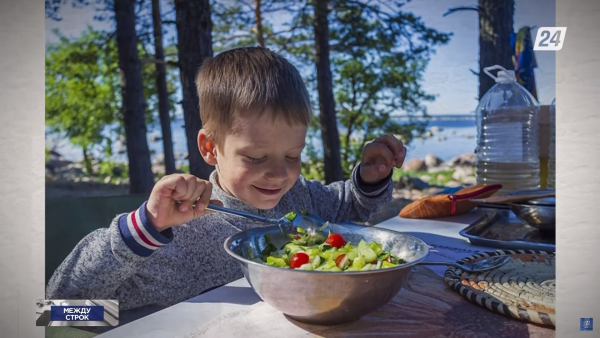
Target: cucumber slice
276,261
292,248
358,263
377,247
367,267
365,250
306,266
387,264
324,247
291,216
316,261
353,254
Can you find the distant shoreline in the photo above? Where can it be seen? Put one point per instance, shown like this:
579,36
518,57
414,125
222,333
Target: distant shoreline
453,136
440,117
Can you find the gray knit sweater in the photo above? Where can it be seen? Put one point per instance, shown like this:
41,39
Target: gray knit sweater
132,262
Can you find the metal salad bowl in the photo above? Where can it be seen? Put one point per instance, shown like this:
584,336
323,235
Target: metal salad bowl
326,298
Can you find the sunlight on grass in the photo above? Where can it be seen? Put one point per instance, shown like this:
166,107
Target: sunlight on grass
440,178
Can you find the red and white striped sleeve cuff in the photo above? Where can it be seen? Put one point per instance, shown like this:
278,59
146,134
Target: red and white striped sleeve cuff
140,235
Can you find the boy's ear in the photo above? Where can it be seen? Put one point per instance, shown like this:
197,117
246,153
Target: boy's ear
207,148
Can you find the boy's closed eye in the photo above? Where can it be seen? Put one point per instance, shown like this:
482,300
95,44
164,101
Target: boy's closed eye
262,159
256,160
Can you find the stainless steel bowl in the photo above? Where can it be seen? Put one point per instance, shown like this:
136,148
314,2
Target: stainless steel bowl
540,213
326,298
542,217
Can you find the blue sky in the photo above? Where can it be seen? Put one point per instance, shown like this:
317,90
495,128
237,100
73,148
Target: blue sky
447,75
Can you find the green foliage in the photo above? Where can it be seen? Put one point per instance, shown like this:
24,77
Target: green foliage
83,91
379,54
47,157
185,168
234,24
231,26
439,178
116,171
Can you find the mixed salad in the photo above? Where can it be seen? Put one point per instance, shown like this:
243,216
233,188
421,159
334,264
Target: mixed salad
335,254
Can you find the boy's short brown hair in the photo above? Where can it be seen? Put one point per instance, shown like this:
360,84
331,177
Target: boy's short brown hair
245,81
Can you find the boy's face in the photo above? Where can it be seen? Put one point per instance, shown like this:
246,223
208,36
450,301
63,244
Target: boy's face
260,162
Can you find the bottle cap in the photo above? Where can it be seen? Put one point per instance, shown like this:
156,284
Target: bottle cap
504,76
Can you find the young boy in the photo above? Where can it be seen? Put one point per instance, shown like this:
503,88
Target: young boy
255,111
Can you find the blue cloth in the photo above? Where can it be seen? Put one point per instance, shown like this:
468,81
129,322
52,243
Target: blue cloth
450,190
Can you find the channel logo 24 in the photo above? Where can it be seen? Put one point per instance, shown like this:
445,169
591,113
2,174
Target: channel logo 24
550,38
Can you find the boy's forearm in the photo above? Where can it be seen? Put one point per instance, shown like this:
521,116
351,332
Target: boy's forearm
373,190
349,200
368,198
104,259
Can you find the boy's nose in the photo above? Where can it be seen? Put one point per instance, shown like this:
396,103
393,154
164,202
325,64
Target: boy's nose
276,172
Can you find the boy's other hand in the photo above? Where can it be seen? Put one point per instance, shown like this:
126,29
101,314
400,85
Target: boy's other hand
177,199
380,157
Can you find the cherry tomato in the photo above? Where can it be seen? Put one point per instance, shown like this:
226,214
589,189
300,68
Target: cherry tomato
297,237
298,260
335,240
341,261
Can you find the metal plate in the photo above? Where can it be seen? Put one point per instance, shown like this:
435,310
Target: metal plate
500,228
527,192
549,201
540,201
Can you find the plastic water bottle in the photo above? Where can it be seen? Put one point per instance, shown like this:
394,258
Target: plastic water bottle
507,135
551,182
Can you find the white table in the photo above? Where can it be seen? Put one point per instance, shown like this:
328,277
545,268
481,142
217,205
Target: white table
180,319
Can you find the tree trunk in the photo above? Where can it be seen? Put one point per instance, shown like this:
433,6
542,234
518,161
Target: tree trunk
194,28
88,163
140,169
495,27
327,118
258,18
161,88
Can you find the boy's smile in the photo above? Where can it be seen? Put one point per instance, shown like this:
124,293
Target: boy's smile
259,160
269,192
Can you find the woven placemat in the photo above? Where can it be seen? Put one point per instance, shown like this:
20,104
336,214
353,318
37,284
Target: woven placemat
524,288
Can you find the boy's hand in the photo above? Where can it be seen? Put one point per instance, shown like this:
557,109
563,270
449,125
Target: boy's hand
379,157
163,209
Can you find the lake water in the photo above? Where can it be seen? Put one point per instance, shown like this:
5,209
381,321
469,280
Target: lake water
454,138
449,138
